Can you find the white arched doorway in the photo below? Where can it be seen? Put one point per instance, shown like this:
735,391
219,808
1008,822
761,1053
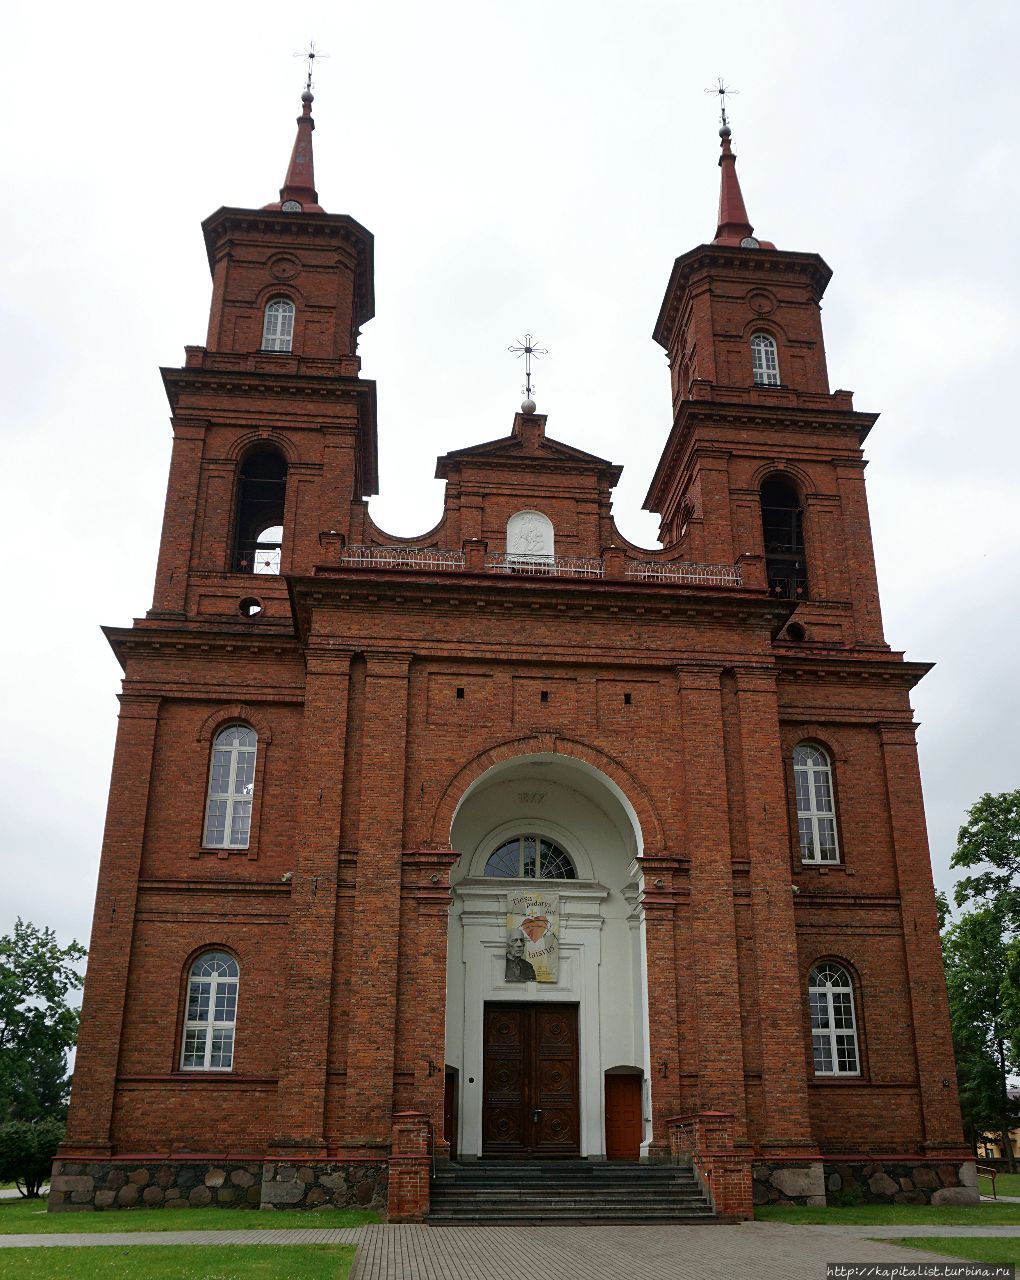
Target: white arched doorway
504,1028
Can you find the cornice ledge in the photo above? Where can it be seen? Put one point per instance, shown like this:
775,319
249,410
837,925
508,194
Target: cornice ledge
870,667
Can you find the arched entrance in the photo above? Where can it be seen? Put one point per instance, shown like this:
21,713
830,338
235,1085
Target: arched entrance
546,984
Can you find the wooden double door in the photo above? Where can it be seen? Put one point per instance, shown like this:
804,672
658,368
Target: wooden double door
530,1098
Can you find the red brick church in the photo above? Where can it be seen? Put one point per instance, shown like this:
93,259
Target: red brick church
437,865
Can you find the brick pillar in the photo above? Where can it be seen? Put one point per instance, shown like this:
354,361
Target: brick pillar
336,490
95,1070
410,1167
179,519
785,1109
706,1140
713,477
658,903
857,539
926,982
713,924
312,930
375,955
301,548
422,1000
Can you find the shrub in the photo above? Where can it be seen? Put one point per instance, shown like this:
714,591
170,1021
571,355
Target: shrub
27,1148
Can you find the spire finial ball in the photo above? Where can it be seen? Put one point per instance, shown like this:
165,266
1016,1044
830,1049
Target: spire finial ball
308,96
725,131
528,406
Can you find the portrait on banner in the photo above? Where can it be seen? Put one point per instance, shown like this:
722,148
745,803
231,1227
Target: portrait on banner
532,937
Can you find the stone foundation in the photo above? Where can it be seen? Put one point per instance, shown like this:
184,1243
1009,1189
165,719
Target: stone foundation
122,1184
784,1182
850,1182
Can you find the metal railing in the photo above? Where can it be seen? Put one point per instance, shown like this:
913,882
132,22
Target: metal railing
709,575
987,1171
435,559
547,566
403,558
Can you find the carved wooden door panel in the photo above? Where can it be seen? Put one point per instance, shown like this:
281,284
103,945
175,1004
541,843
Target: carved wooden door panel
530,1102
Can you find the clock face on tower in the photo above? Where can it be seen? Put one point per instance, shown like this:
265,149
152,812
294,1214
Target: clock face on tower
290,206
748,242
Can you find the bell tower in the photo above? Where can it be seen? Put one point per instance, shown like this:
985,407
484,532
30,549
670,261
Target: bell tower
763,458
274,428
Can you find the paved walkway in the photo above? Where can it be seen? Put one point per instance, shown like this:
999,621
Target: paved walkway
756,1250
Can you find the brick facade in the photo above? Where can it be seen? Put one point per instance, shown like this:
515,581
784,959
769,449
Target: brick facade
383,683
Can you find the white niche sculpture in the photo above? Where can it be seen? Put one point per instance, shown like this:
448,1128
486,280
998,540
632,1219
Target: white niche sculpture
529,537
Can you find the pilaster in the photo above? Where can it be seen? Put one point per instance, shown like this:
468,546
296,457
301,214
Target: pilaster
312,931
658,904
375,956
422,1012
785,1110
713,923
926,983
102,1020
179,517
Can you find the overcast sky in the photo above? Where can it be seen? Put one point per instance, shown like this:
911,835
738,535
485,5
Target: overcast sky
522,167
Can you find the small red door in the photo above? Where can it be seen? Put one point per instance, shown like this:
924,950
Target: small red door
623,1117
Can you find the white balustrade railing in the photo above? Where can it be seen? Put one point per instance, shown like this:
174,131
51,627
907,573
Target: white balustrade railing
548,566
708,575
432,559
403,557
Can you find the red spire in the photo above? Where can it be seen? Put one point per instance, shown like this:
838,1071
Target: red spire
734,227
299,184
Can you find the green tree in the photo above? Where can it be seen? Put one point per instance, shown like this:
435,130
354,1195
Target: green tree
37,1025
983,981
990,842
27,1148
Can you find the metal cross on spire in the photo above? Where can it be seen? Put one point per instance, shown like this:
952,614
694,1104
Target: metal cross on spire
527,348
722,89
311,55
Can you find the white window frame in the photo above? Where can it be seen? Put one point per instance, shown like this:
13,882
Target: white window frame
278,325
814,789
213,982
521,855
231,790
268,551
764,360
834,1048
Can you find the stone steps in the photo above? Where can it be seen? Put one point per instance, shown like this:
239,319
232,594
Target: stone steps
553,1191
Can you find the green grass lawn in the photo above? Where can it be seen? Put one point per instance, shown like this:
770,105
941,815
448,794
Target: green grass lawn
180,1262
1004,1249
25,1217
891,1215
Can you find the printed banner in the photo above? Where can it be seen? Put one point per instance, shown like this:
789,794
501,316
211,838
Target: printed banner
532,937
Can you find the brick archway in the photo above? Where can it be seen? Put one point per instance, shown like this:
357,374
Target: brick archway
622,782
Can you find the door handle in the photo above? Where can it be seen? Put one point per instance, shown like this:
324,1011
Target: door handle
535,1114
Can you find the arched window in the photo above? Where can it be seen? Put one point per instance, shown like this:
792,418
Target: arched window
211,1015
231,785
278,325
783,532
833,1025
531,857
261,497
816,812
764,360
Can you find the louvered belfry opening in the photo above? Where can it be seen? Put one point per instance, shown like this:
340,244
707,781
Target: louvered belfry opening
783,529
261,494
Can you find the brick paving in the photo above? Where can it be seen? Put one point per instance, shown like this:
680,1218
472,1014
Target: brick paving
759,1251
